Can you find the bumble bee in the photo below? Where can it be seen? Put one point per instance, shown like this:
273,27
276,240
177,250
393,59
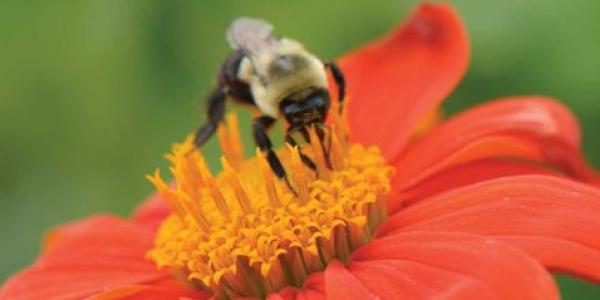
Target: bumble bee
279,77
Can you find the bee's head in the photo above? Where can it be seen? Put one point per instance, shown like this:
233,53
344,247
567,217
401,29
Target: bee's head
306,110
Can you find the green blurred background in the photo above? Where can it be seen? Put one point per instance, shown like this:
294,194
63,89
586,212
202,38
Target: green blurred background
92,93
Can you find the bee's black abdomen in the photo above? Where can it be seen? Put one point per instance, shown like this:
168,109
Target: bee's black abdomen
237,89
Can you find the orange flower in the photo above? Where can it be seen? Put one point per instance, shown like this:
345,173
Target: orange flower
480,206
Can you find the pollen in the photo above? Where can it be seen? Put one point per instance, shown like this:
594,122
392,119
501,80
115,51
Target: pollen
243,232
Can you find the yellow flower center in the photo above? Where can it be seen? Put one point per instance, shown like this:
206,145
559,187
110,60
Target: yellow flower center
244,233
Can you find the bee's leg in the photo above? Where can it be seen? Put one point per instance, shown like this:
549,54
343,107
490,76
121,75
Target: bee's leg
338,76
321,136
326,148
215,111
289,138
260,126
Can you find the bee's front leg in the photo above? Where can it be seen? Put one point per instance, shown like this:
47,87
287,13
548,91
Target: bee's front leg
215,113
260,126
326,147
289,138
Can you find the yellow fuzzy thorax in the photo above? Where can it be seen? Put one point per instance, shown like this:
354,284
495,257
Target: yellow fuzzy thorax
244,233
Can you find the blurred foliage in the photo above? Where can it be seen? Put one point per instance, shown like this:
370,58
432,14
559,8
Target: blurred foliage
92,93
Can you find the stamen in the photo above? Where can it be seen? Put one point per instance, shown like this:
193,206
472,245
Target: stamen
194,211
230,141
340,124
299,176
319,157
166,193
244,233
269,180
236,185
208,179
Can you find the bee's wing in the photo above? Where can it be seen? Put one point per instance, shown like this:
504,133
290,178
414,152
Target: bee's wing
252,36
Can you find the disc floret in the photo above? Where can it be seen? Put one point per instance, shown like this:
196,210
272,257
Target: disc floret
243,233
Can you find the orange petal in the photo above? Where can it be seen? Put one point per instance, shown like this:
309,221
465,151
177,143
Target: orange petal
312,289
395,81
152,211
85,258
340,284
463,175
533,128
427,122
471,263
165,289
405,279
555,220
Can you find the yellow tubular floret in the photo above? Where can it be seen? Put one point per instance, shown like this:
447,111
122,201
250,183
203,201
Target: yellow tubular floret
243,233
